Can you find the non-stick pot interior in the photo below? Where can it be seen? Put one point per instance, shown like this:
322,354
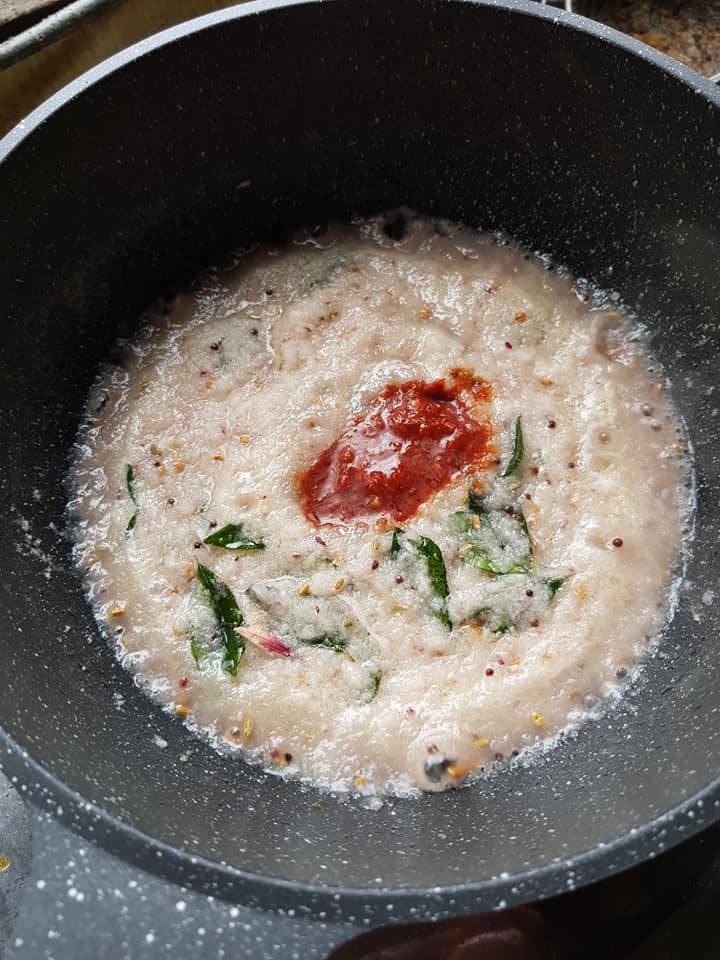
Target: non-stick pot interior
493,114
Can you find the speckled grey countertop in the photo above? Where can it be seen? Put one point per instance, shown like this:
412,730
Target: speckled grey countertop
79,903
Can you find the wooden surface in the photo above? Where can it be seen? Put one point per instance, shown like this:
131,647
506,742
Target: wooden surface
11,10
26,84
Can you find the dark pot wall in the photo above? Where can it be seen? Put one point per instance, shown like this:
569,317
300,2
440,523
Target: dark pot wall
498,114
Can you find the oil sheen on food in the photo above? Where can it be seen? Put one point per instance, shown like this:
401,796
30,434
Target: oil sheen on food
383,507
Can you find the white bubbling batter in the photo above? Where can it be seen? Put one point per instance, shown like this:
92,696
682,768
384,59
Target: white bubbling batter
350,676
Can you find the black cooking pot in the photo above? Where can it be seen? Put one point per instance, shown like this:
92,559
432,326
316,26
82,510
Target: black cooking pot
570,137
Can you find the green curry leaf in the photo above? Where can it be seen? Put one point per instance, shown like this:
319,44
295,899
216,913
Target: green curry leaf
518,450
554,585
371,691
228,615
197,651
480,559
231,537
395,542
476,502
330,641
437,573
130,485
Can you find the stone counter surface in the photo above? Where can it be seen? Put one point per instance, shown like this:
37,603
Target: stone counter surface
688,30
